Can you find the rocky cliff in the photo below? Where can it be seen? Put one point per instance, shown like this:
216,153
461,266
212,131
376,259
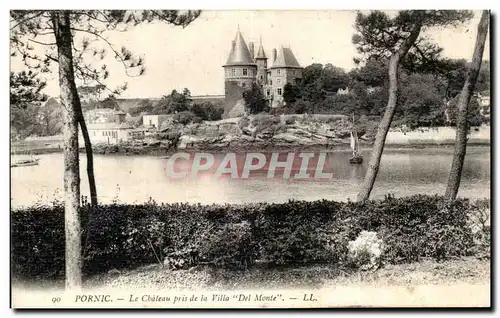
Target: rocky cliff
265,131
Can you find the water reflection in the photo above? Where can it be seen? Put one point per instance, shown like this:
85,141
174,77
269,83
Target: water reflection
136,179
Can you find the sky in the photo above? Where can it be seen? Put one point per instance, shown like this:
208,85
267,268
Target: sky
193,57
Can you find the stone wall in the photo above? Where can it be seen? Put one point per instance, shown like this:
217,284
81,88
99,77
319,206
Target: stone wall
438,135
234,93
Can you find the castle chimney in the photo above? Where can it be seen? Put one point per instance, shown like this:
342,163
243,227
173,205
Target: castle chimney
251,47
274,55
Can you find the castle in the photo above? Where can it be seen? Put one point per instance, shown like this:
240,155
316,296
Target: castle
243,68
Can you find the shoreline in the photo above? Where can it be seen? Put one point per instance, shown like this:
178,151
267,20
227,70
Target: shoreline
119,150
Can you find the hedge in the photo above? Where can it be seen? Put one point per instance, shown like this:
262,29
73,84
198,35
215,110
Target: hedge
237,236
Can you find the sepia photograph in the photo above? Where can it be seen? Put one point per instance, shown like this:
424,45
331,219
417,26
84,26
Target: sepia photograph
250,159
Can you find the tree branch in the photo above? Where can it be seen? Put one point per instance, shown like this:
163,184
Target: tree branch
52,58
117,54
42,43
88,74
27,19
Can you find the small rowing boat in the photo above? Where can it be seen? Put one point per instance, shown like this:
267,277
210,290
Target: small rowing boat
25,161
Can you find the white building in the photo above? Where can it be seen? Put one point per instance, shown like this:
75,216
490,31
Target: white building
155,121
107,126
109,133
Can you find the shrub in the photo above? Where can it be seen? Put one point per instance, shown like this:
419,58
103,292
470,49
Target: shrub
207,111
186,117
120,236
234,236
479,222
296,236
297,107
37,248
255,101
230,246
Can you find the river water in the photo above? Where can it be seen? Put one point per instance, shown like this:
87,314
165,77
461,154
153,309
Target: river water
136,179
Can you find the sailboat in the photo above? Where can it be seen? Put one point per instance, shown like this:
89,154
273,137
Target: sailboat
27,160
356,155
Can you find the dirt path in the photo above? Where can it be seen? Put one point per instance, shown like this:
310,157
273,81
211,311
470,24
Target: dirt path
458,283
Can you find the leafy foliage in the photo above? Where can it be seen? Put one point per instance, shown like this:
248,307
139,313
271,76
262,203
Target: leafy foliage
186,117
422,101
255,101
173,103
25,101
474,117
25,89
378,35
145,107
32,113
290,93
236,236
207,111
34,28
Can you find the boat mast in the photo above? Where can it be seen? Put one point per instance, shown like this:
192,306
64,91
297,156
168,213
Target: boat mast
354,142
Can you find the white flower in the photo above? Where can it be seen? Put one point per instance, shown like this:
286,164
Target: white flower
366,250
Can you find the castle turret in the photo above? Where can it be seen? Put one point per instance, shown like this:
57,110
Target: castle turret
261,61
285,69
240,71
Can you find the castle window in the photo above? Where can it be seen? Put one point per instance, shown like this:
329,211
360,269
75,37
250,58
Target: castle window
268,92
233,71
278,72
245,72
279,91
261,77
271,82
279,81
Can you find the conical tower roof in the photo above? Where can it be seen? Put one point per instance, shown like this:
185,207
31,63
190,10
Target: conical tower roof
261,54
240,55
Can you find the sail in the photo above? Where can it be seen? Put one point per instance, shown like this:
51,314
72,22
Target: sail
353,142
356,142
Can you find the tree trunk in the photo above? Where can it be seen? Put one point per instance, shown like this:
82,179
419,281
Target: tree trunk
70,102
90,158
463,108
385,123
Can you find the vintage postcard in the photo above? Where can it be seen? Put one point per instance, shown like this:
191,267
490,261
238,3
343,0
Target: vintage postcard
250,159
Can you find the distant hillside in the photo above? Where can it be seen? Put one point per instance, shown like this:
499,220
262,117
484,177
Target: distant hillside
126,104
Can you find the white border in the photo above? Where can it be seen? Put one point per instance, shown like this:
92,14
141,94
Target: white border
218,4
